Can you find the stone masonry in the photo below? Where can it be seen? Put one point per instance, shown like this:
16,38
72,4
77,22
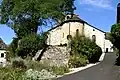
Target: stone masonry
55,56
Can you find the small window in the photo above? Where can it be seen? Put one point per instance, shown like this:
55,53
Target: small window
68,17
77,32
93,29
2,55
63,35
94,38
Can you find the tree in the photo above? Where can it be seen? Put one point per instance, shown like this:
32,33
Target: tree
115,38
27,15
28,46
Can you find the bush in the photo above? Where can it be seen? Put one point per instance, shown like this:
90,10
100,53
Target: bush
29,45
77,61
38,75
18,63
96,55
60,70
36,65
84,46
12,49
11,74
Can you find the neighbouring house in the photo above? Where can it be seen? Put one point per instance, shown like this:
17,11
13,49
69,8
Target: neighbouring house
73,24
3,47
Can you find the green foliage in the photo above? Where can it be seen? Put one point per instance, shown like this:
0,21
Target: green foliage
11,74
77,61
18,63
38,75
27,15
60,70
116,51
12,49
95,54
84,46
30,70
115,35
115,39
29,45
37,65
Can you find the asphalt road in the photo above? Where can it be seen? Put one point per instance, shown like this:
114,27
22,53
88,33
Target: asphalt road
106,70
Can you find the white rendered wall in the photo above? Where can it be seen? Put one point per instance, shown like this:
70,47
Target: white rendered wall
108,45
100,36
59,35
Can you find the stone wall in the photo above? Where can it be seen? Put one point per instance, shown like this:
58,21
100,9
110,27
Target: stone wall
55,56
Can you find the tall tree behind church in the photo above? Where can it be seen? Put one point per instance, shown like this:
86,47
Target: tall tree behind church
27,15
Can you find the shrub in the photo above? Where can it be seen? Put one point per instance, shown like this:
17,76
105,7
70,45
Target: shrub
18,63
96,55
60,70
38,75
11,74
29,45
36,65
12,49
84,46
77,61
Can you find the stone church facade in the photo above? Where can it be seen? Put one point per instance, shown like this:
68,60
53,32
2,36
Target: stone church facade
59,34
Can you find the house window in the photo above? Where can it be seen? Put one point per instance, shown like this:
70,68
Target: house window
93,29
2,55
94,38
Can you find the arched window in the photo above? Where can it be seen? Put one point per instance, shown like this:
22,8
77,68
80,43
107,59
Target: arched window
94,38
69,37
77,32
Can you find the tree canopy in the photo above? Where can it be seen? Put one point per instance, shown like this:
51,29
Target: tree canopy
115,35
115,39
27,15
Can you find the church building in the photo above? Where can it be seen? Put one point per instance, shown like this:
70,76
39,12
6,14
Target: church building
73,24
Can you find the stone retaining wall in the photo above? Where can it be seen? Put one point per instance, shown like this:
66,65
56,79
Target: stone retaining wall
55,56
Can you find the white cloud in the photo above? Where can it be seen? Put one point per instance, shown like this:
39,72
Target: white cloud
106,4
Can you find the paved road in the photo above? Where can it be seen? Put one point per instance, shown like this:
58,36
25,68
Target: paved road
104,71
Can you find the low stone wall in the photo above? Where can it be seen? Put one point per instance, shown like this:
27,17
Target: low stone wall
55,56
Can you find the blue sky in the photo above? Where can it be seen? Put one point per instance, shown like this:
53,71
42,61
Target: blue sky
99,13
